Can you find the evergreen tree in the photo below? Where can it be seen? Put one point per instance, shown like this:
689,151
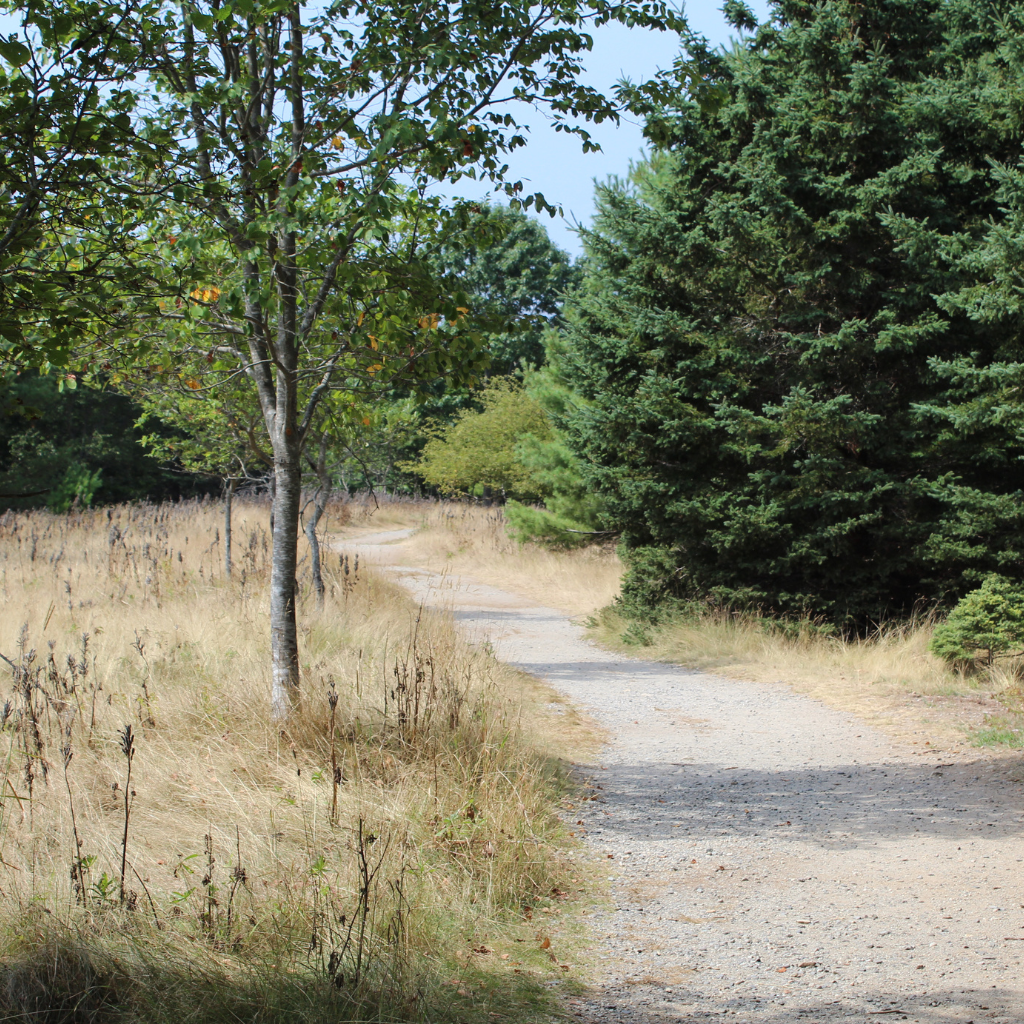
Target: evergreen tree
766,331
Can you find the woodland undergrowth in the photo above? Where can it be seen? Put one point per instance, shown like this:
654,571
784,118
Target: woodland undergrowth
170,851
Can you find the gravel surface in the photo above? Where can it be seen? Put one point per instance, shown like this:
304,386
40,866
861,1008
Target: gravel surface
771,859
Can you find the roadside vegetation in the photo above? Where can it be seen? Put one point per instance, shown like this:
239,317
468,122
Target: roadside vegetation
169,851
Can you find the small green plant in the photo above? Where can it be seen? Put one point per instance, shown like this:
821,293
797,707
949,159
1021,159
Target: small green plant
636,636
989,619
104,889
1001,731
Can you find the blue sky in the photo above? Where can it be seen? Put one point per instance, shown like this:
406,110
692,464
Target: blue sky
554,163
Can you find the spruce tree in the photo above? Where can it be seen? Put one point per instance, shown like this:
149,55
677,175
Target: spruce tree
766,327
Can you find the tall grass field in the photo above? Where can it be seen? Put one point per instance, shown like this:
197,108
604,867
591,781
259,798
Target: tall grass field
171,852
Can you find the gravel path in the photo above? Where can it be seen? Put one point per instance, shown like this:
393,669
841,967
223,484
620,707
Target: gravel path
771,859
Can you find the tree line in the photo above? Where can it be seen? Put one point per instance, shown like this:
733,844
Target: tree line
783,375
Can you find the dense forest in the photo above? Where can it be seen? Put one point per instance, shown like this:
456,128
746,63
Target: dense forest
784,374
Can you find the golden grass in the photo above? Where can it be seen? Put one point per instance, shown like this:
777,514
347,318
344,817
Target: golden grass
873,677
256,887
471,540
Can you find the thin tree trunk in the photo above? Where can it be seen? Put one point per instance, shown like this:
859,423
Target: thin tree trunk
229,493
323,494
284,425
284,640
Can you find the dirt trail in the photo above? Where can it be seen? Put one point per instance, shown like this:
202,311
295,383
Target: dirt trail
771,859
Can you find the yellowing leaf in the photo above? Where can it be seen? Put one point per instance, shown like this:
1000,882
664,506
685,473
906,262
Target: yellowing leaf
360,318
337,142
366,421
193,384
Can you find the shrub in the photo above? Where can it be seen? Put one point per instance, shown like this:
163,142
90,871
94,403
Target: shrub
990,619
479,448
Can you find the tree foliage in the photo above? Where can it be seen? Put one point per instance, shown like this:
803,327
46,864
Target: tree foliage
512,271
779,320
71,215
480,449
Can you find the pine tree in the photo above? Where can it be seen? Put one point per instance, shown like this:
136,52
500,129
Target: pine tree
758,347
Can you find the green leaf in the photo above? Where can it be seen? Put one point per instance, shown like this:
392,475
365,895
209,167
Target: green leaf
14,52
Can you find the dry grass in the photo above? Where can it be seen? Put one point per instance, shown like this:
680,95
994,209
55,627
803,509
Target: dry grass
256,887
889,678
471,540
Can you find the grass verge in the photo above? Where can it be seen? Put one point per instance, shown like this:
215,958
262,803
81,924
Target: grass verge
889,678
170,852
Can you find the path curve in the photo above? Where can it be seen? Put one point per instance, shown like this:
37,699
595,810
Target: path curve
771,859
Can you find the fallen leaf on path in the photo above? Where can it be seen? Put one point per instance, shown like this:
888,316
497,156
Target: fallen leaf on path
781,970
811,963
872,1013
546,944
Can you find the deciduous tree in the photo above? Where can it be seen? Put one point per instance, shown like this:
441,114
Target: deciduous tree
299,147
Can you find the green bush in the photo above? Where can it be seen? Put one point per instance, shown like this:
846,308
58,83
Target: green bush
989,619
529,523
479,449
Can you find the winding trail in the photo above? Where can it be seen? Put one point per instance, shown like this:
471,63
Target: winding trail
771,859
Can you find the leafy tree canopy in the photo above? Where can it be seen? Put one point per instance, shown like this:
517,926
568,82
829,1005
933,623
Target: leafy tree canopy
512,270
71,217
